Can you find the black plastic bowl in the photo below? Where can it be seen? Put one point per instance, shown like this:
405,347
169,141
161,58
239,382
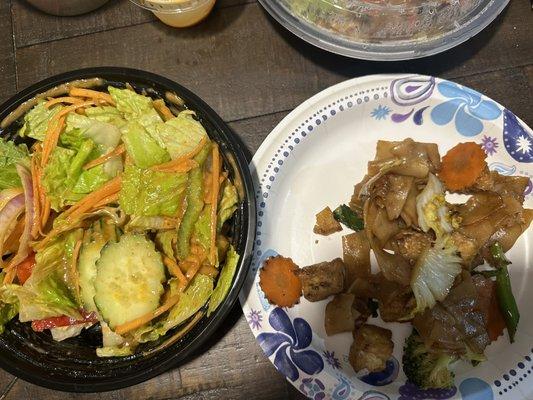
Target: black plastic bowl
72,365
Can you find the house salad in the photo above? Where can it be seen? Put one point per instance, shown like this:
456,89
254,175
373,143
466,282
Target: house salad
116,215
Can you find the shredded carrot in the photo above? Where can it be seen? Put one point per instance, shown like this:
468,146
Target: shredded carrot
215,171
170,164
207,187
462,166
102,159
175,270
208,270
51,139
36,198
163,110
279,281
92,94
10,276
138,322
184,166
194,266
110,188
73,107
107,200
74,267
57,100
45,212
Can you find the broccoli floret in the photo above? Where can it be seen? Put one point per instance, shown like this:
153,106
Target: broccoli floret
424,368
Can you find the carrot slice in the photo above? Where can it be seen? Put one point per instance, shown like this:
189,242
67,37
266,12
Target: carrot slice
215,172
102,159
163,110
57,100
462,166
279,281
92,94
144,319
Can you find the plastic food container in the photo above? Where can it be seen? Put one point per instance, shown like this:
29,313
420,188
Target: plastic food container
178,13
385,29
72,365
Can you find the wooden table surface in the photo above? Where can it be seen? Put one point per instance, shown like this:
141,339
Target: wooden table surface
253,73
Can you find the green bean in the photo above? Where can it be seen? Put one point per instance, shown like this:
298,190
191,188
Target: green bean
504,292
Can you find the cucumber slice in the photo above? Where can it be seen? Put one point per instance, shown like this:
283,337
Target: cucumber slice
89,254
129,279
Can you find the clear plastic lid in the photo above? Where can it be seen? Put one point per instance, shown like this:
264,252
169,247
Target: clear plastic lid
385,29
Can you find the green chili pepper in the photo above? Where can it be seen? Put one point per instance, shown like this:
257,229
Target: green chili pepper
506,300
345,215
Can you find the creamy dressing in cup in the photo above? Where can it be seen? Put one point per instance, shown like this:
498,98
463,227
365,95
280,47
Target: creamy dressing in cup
178,13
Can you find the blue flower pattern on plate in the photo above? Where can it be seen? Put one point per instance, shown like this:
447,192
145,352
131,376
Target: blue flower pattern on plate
288,344
333,361
385,377
313,388
380,112
518,142
489,145
466,107
255,318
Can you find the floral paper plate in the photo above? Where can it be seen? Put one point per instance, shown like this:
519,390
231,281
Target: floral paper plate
312,159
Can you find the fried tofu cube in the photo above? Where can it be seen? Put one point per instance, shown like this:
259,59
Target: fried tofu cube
326,224
340,315
371,348
319,281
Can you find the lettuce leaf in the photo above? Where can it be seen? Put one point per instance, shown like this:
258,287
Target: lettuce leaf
107,114
104,134
10,156
178,135
7,313
114,351
191,301
227,204
151,193
36,121
142,148
55,177
224,280
62,172
91,180
134,106
50,290
165,242
72,139
202,228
